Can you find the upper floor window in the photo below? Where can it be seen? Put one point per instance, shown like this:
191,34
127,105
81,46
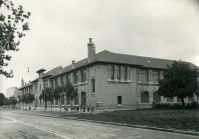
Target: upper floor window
143,75
119,72
75,78
92,85
112,72
155,76
125,73
62,80
83,75
56,83
51,83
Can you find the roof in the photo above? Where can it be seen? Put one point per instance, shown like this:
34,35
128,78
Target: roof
116,58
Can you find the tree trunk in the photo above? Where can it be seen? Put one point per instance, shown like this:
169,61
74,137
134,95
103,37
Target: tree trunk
71,105
60,105
182,100
51,106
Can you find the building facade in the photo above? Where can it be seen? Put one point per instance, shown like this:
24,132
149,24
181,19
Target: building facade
106,80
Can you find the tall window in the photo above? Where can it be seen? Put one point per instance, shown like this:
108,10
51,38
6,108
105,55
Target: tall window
112,72
119,100
76,100
51,84
62,100
67,79
92,85
144,97
83,75
156,97
68,101
118,72
125,73
169,99
62,80
143,76
56,83
75,78
155,76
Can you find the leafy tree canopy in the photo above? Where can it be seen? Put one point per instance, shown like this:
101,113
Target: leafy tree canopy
2,99
180,80
13,25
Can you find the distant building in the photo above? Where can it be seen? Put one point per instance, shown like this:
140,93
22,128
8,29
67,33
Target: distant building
13,91
106,80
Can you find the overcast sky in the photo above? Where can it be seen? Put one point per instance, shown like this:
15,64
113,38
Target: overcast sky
60,30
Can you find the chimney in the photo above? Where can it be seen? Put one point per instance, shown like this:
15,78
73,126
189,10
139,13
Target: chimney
22,82
73,64
91,50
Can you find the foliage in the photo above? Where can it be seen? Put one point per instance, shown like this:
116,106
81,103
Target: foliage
2,99
12,100
70,91
13,26
192,105
180,80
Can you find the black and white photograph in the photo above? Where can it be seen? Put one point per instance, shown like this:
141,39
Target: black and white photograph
99,69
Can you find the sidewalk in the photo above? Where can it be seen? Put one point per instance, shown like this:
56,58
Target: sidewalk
69,116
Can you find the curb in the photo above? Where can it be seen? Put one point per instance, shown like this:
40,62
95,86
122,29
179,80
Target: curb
171,130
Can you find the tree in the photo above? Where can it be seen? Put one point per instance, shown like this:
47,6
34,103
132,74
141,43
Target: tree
13,26
50,96
180,80
44,97
13,101
2,99
30,98
58,94
70,93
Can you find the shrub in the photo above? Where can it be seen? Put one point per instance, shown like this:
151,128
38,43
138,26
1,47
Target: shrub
192,105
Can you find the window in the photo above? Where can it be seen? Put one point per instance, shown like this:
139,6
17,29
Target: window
62,80
68,101
75,78
112,73
156,97
119,100
118,72
40,87
56,102
144,97
92,85
155,76
76,100
62,100
45,83
169,99
83,75
143,76
56,83
125,73
68,79
51,83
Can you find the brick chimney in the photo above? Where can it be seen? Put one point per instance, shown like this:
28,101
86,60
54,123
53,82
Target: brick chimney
91,50
73,64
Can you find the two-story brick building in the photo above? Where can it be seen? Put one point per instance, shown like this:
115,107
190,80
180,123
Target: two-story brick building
106,80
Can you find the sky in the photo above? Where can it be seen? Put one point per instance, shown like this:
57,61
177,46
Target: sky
59,32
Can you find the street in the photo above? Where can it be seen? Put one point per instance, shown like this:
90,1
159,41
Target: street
23,126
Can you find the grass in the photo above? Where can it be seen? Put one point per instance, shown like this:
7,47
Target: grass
178,119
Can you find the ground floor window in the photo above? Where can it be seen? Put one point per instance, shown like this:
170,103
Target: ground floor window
144,97
62,100
156,97
169,99
76,100
119,100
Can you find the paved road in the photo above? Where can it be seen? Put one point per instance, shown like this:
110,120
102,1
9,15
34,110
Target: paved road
23,126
